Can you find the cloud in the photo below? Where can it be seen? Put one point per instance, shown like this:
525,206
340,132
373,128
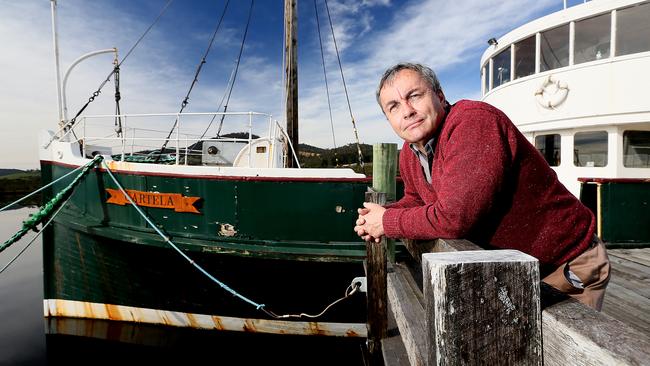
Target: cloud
371,35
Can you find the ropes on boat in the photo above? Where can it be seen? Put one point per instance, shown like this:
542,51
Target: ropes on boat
56,202
352,288
69,125
196,75
327,89
347,97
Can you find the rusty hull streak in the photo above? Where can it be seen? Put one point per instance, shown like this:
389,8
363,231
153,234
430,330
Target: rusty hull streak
80,309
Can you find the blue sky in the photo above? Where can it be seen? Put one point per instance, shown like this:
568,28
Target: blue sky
371,35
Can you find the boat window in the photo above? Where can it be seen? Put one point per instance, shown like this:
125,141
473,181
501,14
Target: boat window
590,149
636,149
549,146
633,29
525,57
486,79
592,38
501,68
555,48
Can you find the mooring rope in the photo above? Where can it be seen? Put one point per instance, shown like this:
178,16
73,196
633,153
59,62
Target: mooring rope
35,237
354,286
54,203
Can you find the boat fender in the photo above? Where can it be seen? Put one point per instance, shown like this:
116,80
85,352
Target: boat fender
552,92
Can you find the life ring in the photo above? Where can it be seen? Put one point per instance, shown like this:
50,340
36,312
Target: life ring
551,93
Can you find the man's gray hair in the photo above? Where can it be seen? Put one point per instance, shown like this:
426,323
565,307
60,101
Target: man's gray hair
425,72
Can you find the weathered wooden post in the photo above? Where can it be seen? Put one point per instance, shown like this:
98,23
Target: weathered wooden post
377,296
384,170
482,307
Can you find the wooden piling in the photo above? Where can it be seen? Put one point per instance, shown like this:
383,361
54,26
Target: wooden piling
482,307
377,297
384,170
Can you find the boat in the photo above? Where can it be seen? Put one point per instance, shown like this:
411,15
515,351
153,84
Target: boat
220,233
574,82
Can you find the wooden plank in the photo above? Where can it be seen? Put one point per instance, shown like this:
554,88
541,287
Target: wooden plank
627,306
482,307
640,256
392,347
630,282
418,247
632,269
578,335
406,303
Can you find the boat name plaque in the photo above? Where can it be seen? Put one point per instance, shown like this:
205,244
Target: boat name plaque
175,201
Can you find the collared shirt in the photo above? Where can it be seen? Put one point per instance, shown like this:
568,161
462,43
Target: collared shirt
429,148
425,159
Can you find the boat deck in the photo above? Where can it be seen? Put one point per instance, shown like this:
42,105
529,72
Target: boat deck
628,293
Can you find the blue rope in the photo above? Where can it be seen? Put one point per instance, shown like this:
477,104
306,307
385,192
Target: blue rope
223,285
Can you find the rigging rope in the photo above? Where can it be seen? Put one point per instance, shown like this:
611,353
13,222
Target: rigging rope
241,49
95,94
354,125
53,204
196,75
327,90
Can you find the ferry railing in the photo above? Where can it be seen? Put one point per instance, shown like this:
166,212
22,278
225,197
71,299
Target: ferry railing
134,138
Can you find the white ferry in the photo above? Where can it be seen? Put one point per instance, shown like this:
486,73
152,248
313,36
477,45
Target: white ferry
575,83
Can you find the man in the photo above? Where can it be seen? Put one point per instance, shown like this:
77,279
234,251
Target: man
469,173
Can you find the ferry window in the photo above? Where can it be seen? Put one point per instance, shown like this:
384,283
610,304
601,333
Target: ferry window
590,149
633,29
549,146
592,37
501,68
486,79
636,149
555,48
525,57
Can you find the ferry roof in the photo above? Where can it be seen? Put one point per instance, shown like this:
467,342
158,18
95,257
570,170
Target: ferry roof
553,20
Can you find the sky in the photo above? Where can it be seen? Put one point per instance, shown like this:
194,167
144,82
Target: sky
371,35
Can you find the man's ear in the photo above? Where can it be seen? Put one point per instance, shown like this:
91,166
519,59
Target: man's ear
441,97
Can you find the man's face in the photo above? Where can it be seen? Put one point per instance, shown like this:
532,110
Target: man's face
412,108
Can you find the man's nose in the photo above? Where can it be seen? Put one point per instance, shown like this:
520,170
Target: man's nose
409,111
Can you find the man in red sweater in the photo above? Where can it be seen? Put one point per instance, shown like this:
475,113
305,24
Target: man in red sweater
469,173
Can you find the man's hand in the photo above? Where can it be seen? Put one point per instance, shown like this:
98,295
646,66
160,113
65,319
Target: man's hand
369,224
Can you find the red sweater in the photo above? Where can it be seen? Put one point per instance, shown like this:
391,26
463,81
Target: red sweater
491,186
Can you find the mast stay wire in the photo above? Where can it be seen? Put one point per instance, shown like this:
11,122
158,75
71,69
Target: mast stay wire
241,50
95,94
327,90
196,77
347,97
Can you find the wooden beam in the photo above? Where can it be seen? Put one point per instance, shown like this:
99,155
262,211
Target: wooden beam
482,308
291,72
577,334
384,170
377,297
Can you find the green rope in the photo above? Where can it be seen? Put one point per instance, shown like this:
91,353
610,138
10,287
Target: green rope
52,205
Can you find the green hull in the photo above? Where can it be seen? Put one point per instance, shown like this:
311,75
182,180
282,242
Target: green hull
289,244
622,209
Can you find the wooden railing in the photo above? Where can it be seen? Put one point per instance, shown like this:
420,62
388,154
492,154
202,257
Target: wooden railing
453,303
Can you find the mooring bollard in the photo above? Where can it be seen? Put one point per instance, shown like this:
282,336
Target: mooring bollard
482,307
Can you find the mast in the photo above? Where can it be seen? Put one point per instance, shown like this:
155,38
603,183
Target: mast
55,39
291,71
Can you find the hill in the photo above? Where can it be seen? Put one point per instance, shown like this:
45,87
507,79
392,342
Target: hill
4,172
20,181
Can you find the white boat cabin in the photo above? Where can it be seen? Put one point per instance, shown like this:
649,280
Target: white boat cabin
575,82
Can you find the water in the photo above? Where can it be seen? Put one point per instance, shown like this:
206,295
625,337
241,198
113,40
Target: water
27,338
